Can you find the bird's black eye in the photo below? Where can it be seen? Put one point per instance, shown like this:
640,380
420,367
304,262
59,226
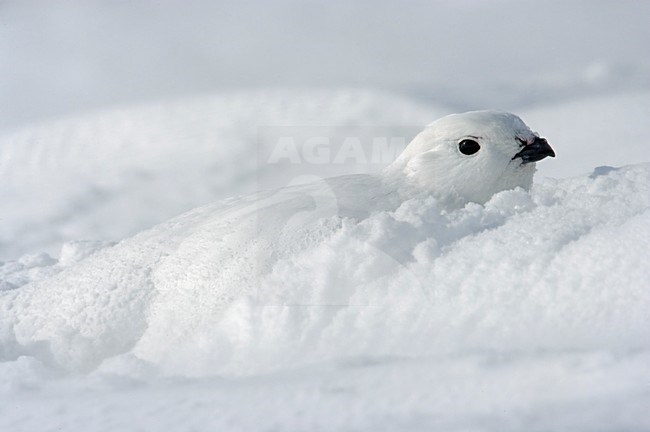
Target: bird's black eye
468,147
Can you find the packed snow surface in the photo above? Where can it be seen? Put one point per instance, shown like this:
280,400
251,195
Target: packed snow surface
528,312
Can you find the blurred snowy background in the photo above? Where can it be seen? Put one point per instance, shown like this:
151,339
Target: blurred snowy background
118,115
67,57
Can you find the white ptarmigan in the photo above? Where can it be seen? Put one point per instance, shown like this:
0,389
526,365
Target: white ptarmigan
196,264
469,157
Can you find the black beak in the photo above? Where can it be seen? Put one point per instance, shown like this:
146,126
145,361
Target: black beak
536,151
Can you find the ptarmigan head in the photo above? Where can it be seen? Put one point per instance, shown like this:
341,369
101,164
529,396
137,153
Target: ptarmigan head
469,157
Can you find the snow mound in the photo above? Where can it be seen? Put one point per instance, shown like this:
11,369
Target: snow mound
109,174
559,269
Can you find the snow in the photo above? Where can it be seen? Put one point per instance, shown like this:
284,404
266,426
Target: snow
529,312
508,315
